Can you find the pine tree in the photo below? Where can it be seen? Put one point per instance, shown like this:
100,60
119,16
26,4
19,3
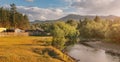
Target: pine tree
13,19
13,13
97,19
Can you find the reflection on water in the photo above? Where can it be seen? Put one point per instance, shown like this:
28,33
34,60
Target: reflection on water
86,54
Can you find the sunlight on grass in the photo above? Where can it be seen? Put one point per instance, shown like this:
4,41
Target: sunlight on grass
22,40
30,49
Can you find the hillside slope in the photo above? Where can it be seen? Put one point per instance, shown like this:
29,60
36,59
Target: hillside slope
30,49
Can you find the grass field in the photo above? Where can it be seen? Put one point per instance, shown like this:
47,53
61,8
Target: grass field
30,49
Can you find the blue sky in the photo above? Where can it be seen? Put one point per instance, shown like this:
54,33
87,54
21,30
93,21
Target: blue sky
38,3
41,5
54,9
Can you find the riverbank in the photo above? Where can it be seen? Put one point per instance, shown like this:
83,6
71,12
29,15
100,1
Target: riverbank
110,48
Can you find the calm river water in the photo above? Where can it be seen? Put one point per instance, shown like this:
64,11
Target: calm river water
87,54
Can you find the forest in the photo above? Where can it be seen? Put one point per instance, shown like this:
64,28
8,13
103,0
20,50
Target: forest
11,18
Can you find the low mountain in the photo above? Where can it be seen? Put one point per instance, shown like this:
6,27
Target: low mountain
82,17
77,17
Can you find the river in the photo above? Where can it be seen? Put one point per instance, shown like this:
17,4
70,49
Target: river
87,54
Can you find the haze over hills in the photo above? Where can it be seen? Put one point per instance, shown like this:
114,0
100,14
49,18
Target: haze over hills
82,17
79,17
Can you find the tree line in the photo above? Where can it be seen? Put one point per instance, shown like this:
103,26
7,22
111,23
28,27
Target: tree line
70,32
11,18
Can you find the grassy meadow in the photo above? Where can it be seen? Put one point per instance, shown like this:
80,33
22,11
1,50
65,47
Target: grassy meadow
30,49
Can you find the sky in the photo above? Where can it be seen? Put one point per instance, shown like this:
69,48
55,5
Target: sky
55,9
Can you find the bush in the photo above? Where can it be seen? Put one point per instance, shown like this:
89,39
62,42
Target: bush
64,33
113,34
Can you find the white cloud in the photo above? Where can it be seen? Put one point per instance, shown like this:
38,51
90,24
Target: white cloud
91,3
36,13
72,0
30,0
43,17
82,7
99,7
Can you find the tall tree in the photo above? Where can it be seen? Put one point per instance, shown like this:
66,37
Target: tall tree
97,19
13,12
26,22
13,19
72,23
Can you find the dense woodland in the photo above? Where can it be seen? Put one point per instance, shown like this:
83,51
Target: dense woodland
70,32
11,18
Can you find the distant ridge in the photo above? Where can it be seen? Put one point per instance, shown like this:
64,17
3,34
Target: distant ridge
82,17
77,17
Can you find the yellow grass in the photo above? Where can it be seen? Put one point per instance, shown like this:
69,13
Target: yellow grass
22,40
30,49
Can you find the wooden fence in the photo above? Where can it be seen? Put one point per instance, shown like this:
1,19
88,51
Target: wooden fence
2,34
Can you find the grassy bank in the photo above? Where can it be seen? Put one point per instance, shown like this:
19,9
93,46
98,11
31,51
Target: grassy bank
30,49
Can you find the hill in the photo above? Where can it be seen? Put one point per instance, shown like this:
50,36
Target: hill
77,17
82,17
30,49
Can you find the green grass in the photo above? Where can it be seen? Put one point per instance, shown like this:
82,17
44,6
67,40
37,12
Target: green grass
30,49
